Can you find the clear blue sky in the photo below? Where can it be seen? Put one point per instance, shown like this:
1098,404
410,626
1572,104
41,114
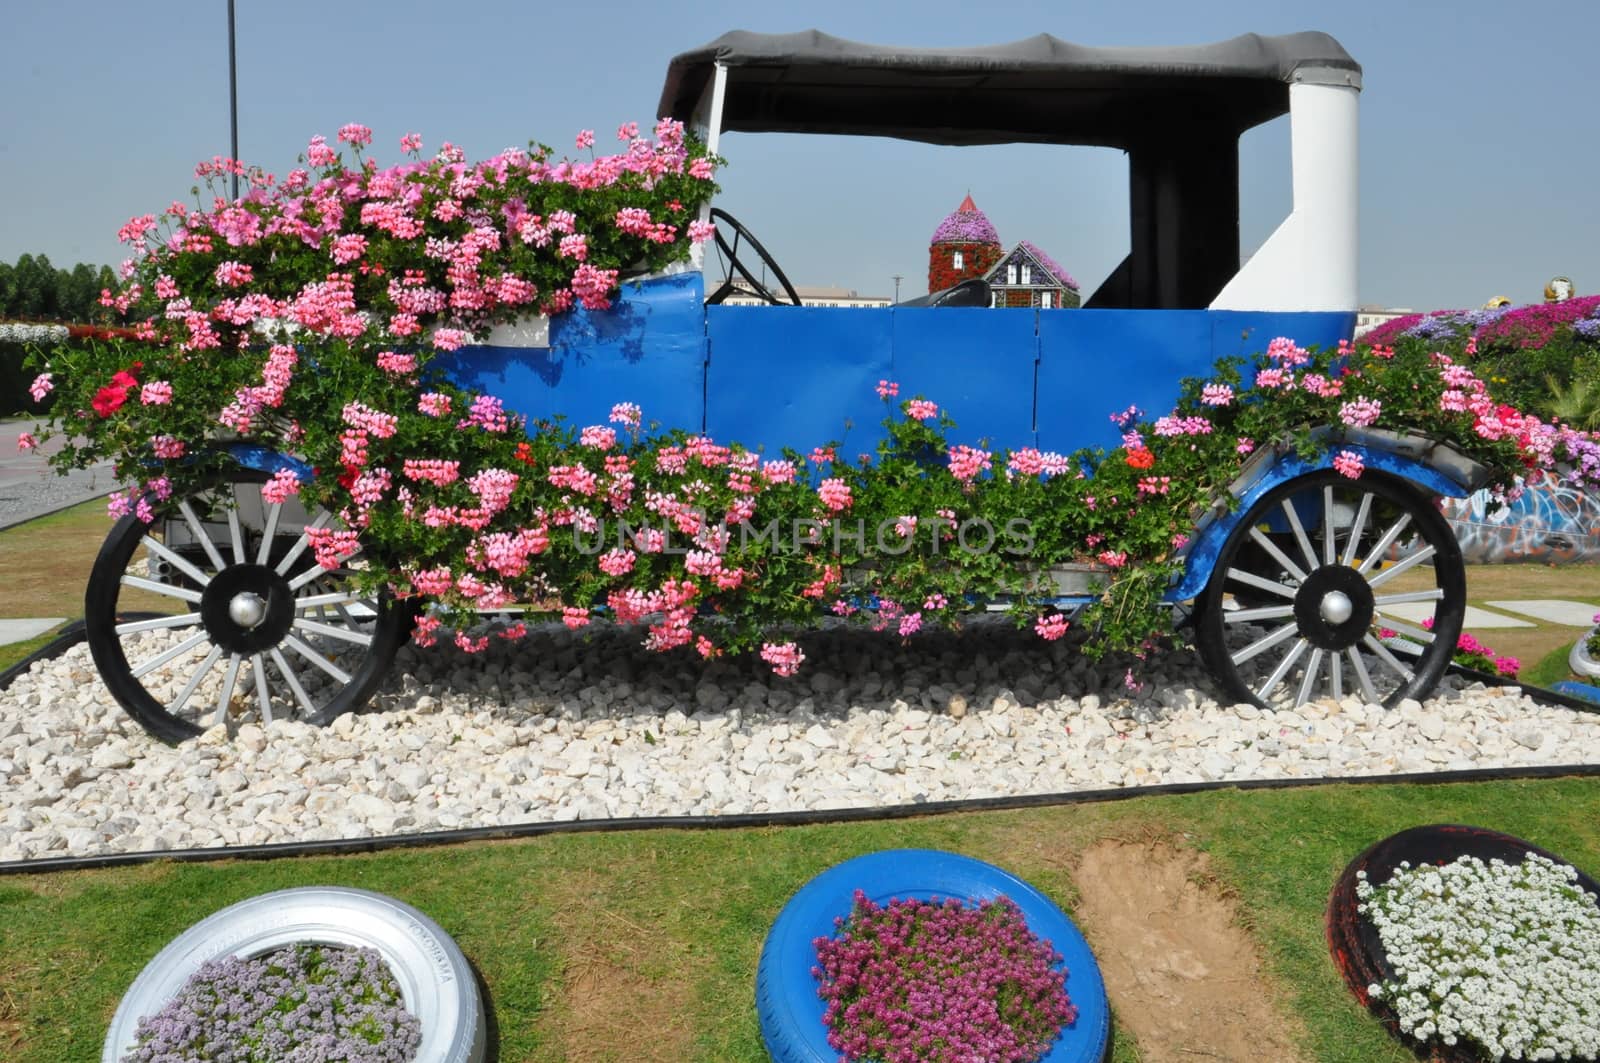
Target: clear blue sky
1477,139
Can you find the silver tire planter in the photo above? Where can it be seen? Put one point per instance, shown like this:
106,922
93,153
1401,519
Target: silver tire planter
435,979
1580,660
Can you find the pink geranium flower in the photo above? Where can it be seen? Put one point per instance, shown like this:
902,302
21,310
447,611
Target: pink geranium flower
1348,463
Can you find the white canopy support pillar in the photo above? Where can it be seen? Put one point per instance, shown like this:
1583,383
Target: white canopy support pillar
1310,261
706,123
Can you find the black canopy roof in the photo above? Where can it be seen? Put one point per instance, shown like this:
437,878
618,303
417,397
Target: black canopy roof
1041,89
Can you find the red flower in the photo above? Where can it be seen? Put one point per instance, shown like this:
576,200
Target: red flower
108,400
1141,458
348,478
524,454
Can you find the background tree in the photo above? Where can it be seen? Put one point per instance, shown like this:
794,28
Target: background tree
35,291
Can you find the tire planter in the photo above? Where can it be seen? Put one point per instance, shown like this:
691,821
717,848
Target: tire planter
1353,941
436,982
787,1003
1580,660
1582,691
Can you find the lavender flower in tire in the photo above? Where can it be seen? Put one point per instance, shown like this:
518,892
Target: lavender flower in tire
304,1002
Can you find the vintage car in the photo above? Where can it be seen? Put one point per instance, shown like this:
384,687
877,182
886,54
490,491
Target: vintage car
1294,594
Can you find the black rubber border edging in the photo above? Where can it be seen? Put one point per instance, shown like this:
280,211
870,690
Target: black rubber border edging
806,817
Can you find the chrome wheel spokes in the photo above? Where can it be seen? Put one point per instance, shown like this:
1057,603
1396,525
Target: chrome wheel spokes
234,635
1327,577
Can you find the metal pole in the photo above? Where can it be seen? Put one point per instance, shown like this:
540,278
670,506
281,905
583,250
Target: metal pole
897,277
233,96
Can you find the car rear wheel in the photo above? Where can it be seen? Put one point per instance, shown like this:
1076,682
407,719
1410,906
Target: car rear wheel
1332,586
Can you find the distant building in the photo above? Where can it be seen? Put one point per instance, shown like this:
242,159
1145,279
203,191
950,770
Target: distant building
1029,277
1370,317
966,245
810,295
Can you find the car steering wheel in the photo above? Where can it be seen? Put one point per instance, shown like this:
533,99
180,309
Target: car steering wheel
729,254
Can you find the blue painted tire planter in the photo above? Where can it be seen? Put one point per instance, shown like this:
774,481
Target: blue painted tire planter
787,1003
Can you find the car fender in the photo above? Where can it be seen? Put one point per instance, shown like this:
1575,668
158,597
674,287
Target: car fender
265,459
1432,471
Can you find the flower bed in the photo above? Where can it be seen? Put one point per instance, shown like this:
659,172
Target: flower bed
940,982
1543,357
882,888
1469,653
331,292
343,1003
1469,941
305,948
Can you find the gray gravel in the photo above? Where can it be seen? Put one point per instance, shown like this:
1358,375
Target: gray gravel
567,726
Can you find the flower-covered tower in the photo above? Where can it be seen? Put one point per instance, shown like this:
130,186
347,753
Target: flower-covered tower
964,245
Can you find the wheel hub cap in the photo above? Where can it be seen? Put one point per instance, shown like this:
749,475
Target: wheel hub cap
1336,607
248,610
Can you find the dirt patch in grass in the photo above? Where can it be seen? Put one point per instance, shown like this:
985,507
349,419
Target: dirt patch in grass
625,993
1183,975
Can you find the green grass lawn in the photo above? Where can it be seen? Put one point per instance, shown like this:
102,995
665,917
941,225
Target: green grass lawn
640,945
643,945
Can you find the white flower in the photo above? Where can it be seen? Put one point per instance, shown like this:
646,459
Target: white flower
24,332
1504,955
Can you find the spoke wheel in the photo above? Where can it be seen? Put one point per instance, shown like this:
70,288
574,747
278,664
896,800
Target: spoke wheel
1332,586
219,613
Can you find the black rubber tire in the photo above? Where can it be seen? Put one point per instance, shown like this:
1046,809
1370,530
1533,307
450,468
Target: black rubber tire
1353,941
1214,628
391,629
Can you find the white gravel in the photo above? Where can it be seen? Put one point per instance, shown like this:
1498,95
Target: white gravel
565,726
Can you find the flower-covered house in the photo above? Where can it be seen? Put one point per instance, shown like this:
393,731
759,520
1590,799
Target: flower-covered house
966,245
1029,277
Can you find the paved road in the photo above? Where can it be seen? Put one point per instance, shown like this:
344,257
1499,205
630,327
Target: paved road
30,488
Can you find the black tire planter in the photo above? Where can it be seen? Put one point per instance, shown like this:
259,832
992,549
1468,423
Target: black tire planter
1353,941
436,981
787,1004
